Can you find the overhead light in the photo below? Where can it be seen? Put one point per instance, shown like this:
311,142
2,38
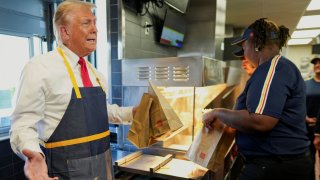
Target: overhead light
305,33
309,22
299,41
314,5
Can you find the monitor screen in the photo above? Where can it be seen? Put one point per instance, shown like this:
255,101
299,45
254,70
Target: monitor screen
179,5
229,49
316,49
135,6
173,30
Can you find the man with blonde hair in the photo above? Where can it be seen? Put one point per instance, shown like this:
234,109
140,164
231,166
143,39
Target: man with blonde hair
60,124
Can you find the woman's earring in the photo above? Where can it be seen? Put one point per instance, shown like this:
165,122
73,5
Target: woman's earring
256,49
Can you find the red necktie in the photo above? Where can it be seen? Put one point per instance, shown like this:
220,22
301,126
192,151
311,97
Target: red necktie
84,73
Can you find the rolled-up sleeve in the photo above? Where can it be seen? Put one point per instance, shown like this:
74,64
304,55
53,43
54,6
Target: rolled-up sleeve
119,115
116,114
29,110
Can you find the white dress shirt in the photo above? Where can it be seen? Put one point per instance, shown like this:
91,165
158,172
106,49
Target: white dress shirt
43,97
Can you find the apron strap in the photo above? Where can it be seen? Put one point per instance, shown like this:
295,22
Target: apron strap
77,140
73,79
97,79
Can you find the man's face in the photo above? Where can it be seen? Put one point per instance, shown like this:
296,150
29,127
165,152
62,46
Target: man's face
316,67
81,31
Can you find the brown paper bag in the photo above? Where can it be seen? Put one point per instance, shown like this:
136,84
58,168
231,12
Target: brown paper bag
224,146
163,119
139,132
210,146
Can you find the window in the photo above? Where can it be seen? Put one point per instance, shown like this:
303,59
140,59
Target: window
15,52
103,60
39,46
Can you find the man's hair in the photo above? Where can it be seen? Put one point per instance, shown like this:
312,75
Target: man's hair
63,10
267,32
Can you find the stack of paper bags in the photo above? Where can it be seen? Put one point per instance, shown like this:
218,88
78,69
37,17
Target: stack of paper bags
153,119
139,132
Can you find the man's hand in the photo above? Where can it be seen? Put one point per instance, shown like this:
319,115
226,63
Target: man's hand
35,167
134,110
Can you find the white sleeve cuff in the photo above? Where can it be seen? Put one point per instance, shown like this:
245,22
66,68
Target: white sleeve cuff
119,115
31,145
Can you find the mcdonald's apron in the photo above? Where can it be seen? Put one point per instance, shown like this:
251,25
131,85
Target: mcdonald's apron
79,146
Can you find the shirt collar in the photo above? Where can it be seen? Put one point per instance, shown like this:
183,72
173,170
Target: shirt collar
71,56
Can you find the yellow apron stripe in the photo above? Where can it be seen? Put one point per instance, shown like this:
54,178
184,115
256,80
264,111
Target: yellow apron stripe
266,86
77,140
97,79
73,79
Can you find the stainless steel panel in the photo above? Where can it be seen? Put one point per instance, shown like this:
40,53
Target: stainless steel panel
177,168
213,72
173,71
140,164
118,154
165,167
121,28
199,40
206,24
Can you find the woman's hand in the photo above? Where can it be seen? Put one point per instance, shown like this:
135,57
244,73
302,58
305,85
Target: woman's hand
310,120
316,142
210,119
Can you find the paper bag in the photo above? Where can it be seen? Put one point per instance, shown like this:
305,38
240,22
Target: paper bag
210,146
163,119
139,132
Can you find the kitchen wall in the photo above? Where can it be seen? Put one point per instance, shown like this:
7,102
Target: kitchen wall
24,17
138,44
129,41
301,55
205,27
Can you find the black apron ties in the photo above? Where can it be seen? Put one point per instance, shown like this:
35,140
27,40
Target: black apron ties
79,146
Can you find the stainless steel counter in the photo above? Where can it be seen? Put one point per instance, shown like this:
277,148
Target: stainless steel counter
118,154
165,167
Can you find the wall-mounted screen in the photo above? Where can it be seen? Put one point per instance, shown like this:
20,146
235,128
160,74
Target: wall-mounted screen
179,5
229,49
134,5
316,49
173,30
